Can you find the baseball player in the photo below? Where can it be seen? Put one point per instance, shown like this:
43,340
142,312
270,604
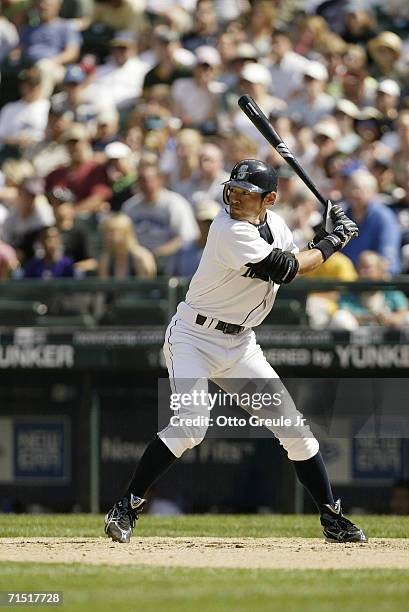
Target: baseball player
249,253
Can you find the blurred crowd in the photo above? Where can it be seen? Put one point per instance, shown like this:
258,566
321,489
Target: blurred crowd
119,123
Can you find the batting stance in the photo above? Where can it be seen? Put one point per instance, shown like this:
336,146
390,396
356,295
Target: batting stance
249,253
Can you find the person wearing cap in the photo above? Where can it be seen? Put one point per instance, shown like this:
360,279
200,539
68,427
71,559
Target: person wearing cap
166,69
387,101
50,152
51,44
326,135
313,102
119,80
75,240
196,100
255,80
31,213
23,122
71,97
385,50
121,171
107,128
84,176
345,112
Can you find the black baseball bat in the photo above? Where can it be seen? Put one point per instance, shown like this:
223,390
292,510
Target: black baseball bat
261,122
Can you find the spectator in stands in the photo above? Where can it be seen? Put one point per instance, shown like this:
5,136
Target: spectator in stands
207,184
9,38
50,260
286,67
378,229
50,152
387,102
359,23
118,82
51,44
260,20
303,216
122,255
353,87
74,239
71,98
121,172
255,80
187,261
85,177
388,307
14,172
310,35
326,138
196,100
167,69
107,129
185,168
163,220
345,112
205,27
31,214
385,50
8,260
313,103
118,15
23,122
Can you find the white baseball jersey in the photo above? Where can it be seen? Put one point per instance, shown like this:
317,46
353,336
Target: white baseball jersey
222,287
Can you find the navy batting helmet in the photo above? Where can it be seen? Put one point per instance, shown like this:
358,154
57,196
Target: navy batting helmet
252,175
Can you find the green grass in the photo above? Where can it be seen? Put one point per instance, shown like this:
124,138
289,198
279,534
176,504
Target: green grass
106,588
216,525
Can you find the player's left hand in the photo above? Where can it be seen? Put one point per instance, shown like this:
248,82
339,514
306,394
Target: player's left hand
345,229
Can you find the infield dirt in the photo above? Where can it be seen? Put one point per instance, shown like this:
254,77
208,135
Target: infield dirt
283,553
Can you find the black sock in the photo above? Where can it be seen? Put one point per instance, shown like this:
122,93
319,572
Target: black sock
156,459
312,473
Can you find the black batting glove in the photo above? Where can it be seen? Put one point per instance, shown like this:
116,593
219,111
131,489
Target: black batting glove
345,230
321,233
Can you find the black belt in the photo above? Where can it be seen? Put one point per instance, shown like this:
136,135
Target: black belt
226,328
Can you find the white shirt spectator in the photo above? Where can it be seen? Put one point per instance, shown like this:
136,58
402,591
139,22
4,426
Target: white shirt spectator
16,227
194,101
156,224
309,113
287,75
21,118
118,85
8,37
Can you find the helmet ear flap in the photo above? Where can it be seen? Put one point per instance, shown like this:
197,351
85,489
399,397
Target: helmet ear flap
226,195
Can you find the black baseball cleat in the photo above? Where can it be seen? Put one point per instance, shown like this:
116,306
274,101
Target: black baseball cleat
337,528
120,520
